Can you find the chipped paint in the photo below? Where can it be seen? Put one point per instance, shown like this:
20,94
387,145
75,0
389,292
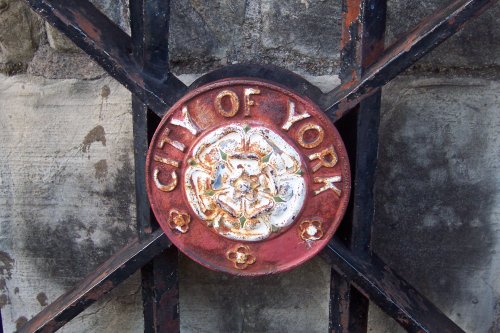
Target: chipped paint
245,182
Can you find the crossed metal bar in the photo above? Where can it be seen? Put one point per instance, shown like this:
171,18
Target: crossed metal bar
140,63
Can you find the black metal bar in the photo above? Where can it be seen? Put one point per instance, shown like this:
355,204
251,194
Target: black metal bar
160,284
160,289
371,45
156,16
340,294
111,48
165,312
341,317
366,163
101,281
363,27
387,289
140,130
402,54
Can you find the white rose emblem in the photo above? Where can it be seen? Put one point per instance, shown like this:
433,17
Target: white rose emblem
245,181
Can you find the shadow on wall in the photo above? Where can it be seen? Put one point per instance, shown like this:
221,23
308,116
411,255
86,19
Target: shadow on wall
435,192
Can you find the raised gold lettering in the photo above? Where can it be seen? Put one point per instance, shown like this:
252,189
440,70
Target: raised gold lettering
310,127
248,101
162,187
165,139
235,103
293,117
166,160
327,158
186,122
329,184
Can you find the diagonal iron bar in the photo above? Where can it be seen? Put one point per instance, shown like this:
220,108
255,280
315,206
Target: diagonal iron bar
388,290
369,274
111,48
106,277
402,54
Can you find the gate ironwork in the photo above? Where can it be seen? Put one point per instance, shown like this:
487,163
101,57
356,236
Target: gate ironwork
140,62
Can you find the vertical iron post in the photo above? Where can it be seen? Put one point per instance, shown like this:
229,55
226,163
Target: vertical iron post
160,285
363,27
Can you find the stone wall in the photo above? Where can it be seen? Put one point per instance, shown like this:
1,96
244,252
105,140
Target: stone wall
66,167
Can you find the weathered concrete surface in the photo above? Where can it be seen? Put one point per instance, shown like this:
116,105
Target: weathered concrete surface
66,196
296,301
438,193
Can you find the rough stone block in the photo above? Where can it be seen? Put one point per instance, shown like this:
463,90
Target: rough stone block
58,41
20,33
194,47
116,10
52,64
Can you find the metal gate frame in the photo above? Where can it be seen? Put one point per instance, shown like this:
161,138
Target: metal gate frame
140,63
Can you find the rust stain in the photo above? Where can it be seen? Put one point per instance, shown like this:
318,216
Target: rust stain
86,26
4,300
42,299
20,322
346,86
95,294
97,134
105,91
376,50
353,12
101,169
351,17
7,264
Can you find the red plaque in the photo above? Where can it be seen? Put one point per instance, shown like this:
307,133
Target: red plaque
247,177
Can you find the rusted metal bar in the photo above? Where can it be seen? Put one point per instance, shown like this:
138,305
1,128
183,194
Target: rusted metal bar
362,41
111,48
159,276
340,296
160,287
372,277
363,27
161,304
402,54
106,277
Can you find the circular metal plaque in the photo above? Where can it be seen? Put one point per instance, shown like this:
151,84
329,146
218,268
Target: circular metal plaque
247,177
